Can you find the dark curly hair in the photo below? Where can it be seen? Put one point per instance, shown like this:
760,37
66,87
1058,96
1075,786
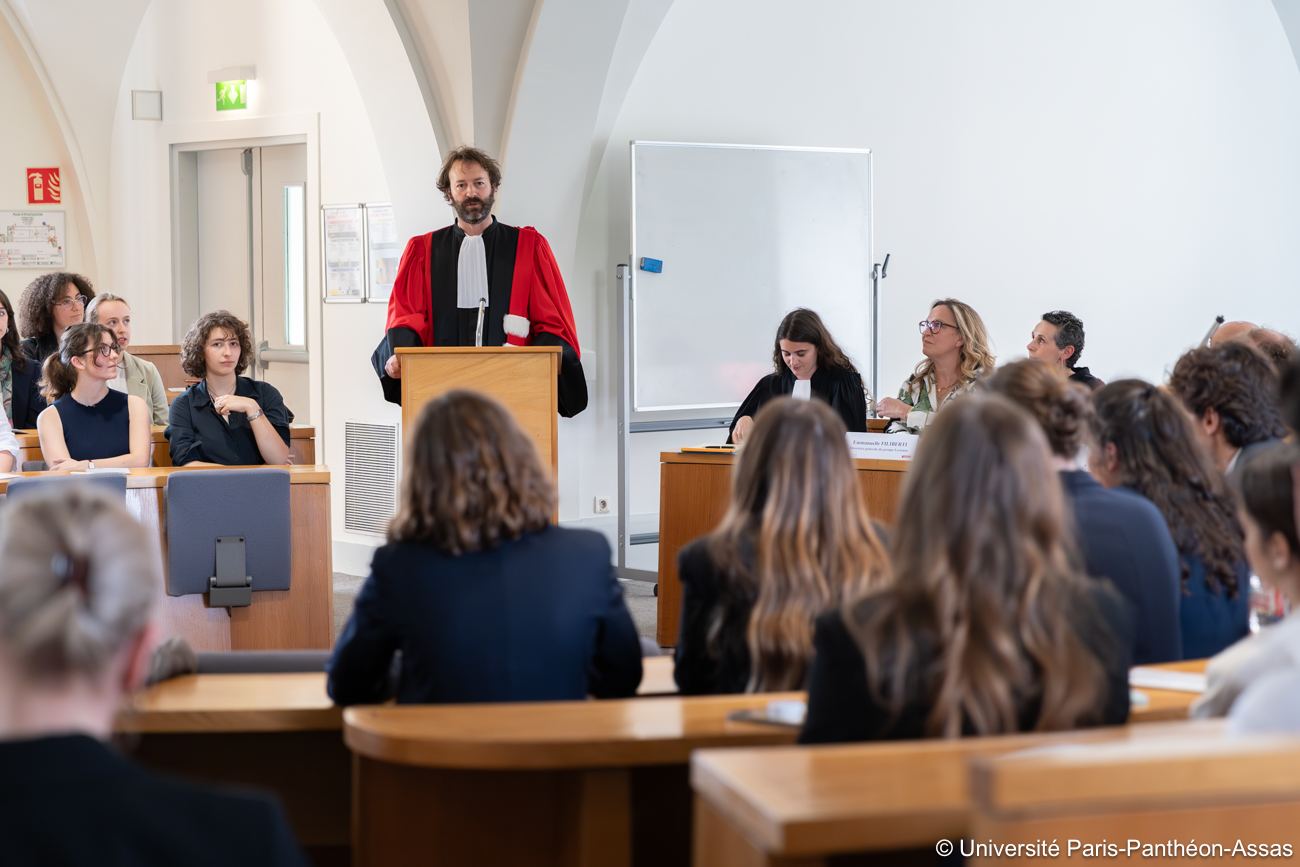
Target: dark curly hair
36,306
471,155
1060,407
1238,381
192,358
1069,332
1161,458
10,340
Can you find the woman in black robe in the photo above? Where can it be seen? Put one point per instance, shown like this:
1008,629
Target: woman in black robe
808,363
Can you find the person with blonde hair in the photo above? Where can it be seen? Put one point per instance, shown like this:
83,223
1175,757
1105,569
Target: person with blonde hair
134,375
956,349
87,424
78,591
796,541
989,626
484,596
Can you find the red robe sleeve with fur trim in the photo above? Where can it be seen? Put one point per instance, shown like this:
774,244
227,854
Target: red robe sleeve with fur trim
408,305
542,294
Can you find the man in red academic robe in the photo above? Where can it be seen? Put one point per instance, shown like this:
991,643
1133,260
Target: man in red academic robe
447,276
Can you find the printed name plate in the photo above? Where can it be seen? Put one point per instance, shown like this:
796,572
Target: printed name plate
880,446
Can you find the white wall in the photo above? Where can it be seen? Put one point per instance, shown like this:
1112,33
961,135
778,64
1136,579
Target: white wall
1134,163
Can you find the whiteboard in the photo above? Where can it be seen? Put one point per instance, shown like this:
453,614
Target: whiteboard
746,234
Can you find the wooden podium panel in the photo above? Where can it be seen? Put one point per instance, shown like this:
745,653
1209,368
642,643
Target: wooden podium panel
523,378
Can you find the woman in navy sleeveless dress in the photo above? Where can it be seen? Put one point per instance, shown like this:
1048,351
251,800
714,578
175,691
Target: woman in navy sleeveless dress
88,424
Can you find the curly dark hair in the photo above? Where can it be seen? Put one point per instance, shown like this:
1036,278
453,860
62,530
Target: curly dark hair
802,325
1289,394
473,479
472,155
192,358
1069,332
1161,458
10,340
1238,382
1060,407
36,306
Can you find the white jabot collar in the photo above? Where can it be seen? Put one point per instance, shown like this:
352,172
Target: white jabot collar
471,272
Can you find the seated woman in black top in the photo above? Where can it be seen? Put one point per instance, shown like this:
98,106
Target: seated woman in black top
88,424
796,541
77,596
808,363
225,419
486,599
1148,443
20,377
48,306
1122,534
988,626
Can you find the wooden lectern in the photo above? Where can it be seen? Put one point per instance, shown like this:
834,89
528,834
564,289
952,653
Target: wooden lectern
523,378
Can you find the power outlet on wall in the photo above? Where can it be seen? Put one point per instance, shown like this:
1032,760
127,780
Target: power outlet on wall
601,506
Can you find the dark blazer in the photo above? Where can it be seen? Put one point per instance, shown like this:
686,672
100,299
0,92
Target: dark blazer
73,800
27,398
841,707
699,669
842,389
1084,377
1210,621
1123,537
540,618
39,348
196,431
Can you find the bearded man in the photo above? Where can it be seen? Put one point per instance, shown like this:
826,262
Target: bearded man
447,276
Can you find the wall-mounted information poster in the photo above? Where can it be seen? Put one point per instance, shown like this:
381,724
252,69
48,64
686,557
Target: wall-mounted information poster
32,239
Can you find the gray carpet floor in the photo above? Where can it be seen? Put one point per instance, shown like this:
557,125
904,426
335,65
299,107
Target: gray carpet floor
640,597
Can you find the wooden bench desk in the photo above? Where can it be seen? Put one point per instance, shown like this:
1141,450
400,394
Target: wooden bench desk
548,783
300,618
302,445
694,493
802,805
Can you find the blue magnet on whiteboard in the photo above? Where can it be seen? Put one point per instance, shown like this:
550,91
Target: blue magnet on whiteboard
655,266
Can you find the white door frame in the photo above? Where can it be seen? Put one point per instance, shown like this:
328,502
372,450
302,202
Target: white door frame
180,138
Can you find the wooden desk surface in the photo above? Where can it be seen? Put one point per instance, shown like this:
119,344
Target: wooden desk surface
557,735
1168,704
30,439
724,458
657,676
864,797
208,703
156,477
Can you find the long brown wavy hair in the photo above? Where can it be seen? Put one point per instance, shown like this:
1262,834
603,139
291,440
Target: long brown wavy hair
1161,458
802,325
986,579
796,540
58,374
10,340
36,306
1060,407
976,358
473,478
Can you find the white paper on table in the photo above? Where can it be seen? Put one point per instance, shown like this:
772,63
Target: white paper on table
882,446
112,471
1144,677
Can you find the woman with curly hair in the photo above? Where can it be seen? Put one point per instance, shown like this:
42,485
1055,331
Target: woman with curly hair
225,419
956,350
20,377
988,626
49,305
484,596
1147,443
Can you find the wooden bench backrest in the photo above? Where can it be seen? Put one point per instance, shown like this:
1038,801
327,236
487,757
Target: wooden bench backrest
167,358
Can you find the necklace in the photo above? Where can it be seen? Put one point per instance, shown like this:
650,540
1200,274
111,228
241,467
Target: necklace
215,396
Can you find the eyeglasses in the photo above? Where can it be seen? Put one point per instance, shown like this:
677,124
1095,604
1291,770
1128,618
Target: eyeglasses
934,325
105,349
74,301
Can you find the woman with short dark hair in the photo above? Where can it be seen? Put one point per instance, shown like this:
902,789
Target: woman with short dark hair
48,306
486,598
987,626
1147,443
87,424
20,377
807,363
225,419
78,594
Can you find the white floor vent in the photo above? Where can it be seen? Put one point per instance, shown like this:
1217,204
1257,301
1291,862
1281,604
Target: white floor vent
370,493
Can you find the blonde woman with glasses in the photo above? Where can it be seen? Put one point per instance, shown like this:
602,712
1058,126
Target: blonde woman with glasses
956,349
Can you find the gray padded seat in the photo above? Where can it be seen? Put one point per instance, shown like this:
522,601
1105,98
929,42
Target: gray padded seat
112,481
35,466
205,504
262,661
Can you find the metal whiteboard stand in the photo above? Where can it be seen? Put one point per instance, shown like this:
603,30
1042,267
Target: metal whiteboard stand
625,428
877,274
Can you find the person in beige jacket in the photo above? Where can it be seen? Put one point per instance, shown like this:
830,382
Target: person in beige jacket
135,375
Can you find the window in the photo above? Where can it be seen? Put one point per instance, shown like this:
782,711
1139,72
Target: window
295,266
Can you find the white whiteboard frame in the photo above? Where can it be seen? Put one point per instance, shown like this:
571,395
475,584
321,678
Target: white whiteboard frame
626,311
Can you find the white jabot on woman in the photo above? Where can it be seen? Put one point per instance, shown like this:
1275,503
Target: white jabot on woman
802,389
